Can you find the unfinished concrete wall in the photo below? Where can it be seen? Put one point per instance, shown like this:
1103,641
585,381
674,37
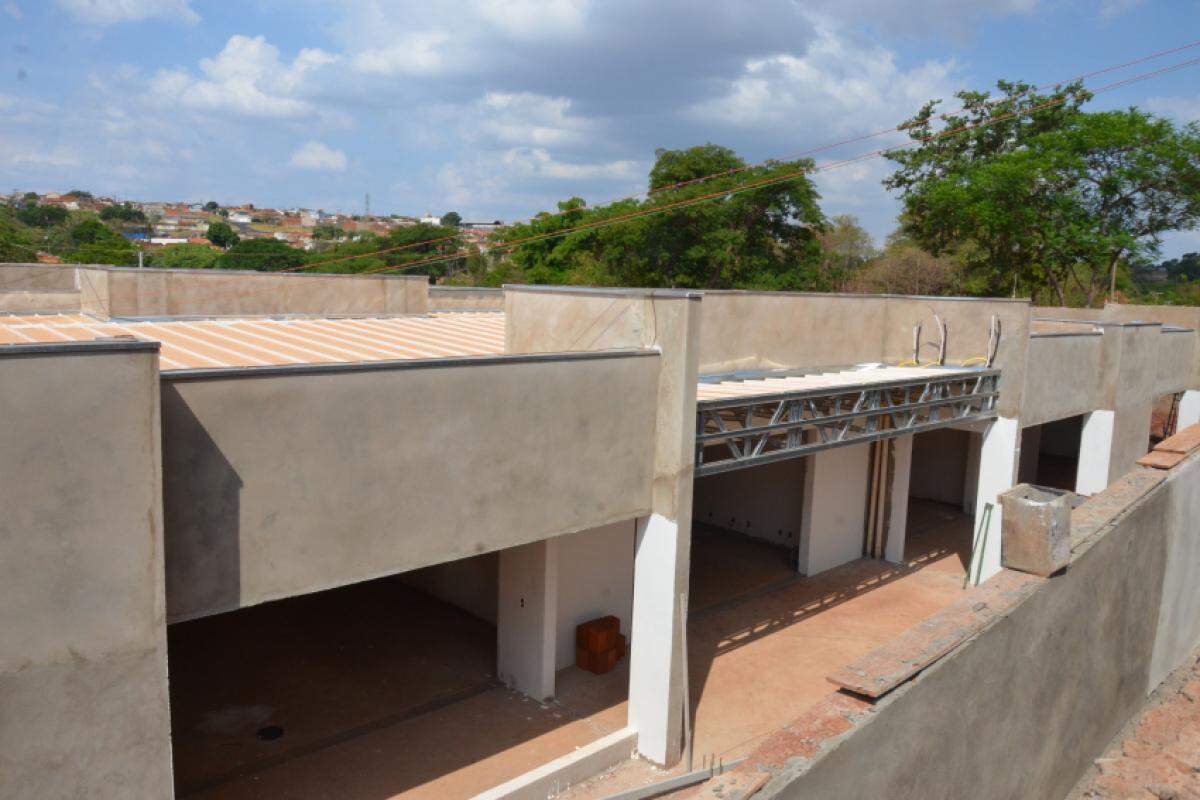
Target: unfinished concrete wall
131,292
83,657
419,464
1044,682
1063,379
1176,355
37,278
468,583
1129,373
767,330
465,298
595,579
764,502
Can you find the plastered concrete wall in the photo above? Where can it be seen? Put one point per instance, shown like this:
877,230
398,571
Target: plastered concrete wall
766,330
939,465
765,502
462,298
418,464
83,659
36,278
469,583
1178,632
1175,358
1129,372
1021,709
1063,379
595,579
131,292
42,302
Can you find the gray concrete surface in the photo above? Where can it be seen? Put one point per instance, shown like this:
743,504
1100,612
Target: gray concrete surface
83,660
1059,361
291,483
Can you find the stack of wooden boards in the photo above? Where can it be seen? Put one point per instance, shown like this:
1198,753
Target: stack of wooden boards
599,644
1173,449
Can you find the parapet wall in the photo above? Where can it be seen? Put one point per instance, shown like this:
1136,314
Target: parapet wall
1047,672
131,292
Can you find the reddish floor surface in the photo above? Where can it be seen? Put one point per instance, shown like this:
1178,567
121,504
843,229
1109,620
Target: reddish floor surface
1158,757
757,662
381,692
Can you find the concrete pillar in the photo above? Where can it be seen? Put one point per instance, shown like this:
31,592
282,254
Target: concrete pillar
1095,451
835,503
999,456
898,518
1189,409
527,618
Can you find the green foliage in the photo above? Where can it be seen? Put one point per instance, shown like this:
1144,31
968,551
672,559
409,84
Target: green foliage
15,243
1052,202
327,231
1186,267
451,219
222,234
415,243
690,236
185,256
264,255
846,248
92,242
80,194
42,216
212,206
122,213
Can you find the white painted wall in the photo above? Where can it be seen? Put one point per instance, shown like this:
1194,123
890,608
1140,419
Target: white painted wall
1095,452
1189,409
764,501
595,579
527,617
999,454
835,499
472,584
898,522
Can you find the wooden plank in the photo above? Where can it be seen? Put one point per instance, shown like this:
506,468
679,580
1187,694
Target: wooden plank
1184,441
1160,459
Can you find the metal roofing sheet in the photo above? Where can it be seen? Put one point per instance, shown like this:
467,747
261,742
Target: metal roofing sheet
841,379
255,342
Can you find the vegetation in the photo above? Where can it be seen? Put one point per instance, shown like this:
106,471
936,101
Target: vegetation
765,237
451,219
42,216
400,247
185,256
92,242
266,255
222,234
122,213
1046,199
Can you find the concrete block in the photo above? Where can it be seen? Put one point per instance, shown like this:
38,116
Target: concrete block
1035,529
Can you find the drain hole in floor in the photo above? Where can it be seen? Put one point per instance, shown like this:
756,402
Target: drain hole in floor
270,733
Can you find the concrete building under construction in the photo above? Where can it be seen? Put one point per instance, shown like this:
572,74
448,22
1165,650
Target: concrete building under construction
285,535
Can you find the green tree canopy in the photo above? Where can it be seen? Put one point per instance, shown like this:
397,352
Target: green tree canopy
92,242
15,243
401,246
265,255
222,234
451,219
42,216
1054,200
846,247
1186,267
211,206
81,194
185,256
123,212
685,236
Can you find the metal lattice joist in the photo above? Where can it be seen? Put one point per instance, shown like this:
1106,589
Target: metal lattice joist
743,431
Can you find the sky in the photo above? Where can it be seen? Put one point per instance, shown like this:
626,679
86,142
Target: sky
498,109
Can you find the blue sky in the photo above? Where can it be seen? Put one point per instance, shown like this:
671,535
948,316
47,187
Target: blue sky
499,108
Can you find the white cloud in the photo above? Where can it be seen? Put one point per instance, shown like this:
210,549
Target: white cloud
16,154
108,12
537,162
317,156
1183,109
1115,8
413,54
534,18
247,78
836,86
529,119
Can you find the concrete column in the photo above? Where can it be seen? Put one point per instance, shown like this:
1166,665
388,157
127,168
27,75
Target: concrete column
835,500
898,518
527,618
1189,409
999,456
1095,451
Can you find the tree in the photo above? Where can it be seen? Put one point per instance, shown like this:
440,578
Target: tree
222,234
185,256
325,230
1186,267
264,255
212,206
122,213
80,194
15,244
1053,200
42,216
451,219
845,249
687,235
904,268
92,242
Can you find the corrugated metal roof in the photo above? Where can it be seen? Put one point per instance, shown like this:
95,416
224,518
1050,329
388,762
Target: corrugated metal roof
256,342
842,379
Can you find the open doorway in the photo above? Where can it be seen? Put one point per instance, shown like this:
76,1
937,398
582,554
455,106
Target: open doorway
1050,453
388,688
